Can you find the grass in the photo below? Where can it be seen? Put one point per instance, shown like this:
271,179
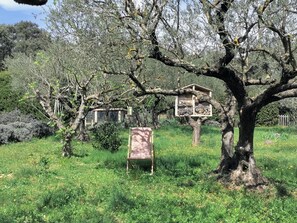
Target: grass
38,185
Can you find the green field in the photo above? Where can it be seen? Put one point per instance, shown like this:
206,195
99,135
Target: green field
38,185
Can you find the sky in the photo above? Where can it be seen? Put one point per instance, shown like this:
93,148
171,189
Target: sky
12,12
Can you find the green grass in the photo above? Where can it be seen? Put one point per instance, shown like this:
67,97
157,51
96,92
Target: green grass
38,185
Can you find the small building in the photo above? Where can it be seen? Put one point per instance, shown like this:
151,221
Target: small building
101,115
189,105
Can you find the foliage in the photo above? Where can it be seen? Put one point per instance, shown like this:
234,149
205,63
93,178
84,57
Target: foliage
12,99
106,137
289,107
268,115
67,78
23,37
14,116
40,186
8,98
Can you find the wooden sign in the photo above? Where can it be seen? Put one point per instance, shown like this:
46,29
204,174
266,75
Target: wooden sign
189,105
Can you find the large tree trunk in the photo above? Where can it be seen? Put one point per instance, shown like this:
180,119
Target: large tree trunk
242,169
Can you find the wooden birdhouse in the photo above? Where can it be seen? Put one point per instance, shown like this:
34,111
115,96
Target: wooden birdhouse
189,104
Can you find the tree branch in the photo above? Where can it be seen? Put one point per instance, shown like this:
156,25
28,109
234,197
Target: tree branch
259,81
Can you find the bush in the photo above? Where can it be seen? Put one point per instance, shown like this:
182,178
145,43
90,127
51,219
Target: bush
5,134
106,137
16,127
40,129
21,131
268,115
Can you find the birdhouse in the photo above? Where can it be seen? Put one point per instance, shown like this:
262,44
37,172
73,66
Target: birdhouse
189,105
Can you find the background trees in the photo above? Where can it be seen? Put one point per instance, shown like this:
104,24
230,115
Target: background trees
72,76
66,81
23,37
26,38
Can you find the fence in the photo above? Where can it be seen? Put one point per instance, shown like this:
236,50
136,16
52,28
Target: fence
284,120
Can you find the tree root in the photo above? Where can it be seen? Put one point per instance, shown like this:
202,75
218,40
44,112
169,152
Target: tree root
250,178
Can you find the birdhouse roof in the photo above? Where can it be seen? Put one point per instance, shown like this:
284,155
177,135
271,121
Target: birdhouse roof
197,88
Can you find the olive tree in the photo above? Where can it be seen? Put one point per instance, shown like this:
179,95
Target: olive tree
253,43
73,75
65,81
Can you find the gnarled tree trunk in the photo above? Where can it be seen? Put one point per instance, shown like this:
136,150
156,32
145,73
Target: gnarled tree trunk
241,169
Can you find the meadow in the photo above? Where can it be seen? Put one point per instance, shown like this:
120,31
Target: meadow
38,185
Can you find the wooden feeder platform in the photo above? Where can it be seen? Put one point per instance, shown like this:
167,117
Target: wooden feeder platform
189,105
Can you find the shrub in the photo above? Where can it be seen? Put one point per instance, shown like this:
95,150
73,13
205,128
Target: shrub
40,129
5,134
21,132
14,116
106,137
268,115
16,127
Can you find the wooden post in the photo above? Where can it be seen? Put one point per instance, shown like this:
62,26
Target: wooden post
195,123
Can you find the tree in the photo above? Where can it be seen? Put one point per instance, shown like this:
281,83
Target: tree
253,44
71,77
67,83
7,43
12,99
29,38
8,98
24,37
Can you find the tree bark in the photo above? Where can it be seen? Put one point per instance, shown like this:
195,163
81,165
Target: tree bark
227,127
67,147
227,145
82,134
155,119
241,169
